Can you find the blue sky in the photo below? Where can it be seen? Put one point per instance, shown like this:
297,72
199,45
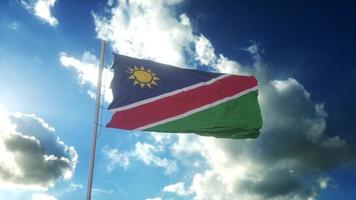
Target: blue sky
301,52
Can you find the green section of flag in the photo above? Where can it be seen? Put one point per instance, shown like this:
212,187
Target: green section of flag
237,118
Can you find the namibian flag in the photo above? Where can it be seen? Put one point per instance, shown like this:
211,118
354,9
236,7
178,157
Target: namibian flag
150,96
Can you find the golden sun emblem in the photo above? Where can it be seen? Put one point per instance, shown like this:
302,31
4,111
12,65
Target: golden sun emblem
143,77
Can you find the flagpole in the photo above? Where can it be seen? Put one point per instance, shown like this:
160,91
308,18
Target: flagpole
95,122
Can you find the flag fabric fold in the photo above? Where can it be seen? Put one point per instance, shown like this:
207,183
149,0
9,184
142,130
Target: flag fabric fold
151,96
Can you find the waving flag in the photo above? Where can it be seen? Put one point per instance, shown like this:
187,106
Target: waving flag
150,96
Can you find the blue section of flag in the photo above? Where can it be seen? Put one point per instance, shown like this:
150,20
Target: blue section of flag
170,78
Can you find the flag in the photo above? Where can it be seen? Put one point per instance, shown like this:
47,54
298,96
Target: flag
151,96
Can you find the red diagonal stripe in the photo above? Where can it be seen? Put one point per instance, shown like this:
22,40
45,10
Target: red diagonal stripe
181,103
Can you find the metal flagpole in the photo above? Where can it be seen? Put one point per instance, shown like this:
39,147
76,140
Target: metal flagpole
95,123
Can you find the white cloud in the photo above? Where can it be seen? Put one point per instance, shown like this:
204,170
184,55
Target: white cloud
110,2
155,198
178,188
323,182
210,179
147,29
98,191
253,48
226,65
255,51
32,156
283,85
205,54
179,148
162,138
74,186
42,196
204,51
87,69
143,152
41,9
115,158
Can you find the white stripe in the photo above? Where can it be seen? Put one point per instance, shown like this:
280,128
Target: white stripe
198,109
211,81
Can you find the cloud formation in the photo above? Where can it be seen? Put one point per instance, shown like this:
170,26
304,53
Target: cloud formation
178,188
287,161
41,9
32,156
115,158
87,69
147,29
42,196
143,152
155,198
